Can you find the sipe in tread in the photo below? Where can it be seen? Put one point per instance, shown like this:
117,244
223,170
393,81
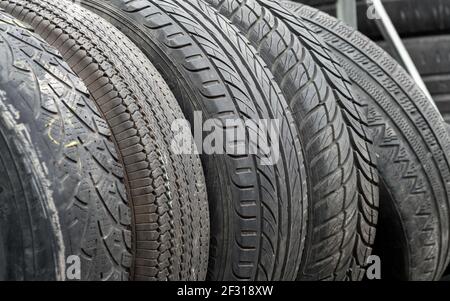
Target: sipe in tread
61,184
316,90
255,209
412,147
432,59
359,132
170,229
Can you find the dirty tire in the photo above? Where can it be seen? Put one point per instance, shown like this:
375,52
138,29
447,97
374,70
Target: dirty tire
330,168
61,184
258,211
170,223
412,147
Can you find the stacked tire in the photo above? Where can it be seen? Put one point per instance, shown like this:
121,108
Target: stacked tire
424,27
330,153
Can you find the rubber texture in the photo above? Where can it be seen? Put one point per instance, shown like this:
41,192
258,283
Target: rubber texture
411,18
61,185
331,174
170,223
431,56
359,132
258,212
412,146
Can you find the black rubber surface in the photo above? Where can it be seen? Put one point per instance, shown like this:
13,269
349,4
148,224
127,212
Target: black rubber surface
410,17
331,173
61,185
431,55
413,151
170,233
360,136
258,212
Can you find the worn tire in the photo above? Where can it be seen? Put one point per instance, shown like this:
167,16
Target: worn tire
258,212
333,215
61,185
410,17
170,224
432,58
359,132
413,150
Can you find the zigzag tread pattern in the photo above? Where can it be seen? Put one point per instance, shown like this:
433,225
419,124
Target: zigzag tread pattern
418,128
215,81
359,133
320,121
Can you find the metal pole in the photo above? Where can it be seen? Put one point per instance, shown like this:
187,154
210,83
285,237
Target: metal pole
347,12
391,35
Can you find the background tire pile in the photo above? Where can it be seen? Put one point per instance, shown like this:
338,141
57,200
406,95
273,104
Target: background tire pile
90,93
425,29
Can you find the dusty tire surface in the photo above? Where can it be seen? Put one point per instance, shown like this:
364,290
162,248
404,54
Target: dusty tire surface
61,184
170,225
413,150
304,73
258,212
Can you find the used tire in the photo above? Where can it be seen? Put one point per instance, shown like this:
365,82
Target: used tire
332,217
258,212
170,225
61,185
359,132
410,17
432,58
413,150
